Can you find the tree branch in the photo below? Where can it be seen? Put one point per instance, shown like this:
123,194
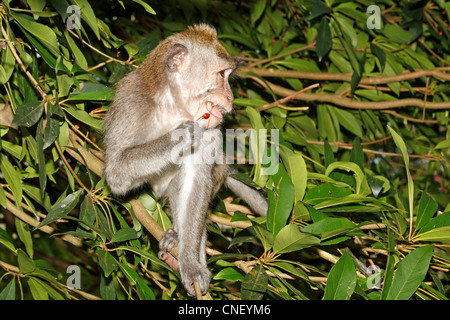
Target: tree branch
344,77
351,104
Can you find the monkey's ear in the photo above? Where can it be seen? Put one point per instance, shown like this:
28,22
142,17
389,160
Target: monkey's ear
177,57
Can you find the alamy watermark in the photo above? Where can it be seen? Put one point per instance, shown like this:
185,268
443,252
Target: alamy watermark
374,279
374,21
74,280
74,19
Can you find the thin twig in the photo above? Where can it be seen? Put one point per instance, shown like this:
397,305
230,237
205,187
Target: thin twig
279,102
308,46
98,51
19,61
395,114
61,154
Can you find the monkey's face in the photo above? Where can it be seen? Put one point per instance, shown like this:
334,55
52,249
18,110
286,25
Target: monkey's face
199,66
217,99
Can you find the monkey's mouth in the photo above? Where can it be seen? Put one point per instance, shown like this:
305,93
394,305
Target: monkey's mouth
216,110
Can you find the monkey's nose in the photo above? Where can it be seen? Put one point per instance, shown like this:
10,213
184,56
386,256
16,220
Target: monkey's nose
230,98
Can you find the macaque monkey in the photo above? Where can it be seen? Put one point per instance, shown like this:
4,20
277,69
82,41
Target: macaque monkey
160,116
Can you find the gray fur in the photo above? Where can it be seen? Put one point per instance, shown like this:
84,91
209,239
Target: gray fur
153,101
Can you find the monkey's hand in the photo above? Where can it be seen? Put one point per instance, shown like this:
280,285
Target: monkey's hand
193,270
169,240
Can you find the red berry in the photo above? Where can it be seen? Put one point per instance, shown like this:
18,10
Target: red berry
206,116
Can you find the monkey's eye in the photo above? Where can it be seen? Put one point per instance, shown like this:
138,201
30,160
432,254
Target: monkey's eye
222,73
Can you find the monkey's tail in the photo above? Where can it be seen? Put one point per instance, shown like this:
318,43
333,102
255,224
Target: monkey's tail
254,198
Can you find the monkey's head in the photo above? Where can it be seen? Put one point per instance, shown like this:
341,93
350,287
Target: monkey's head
198,66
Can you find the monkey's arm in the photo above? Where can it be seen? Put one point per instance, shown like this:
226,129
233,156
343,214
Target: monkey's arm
129,167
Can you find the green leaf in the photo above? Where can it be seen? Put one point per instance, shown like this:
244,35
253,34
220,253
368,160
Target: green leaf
361,182
290,238
329,227
28,114
62,209
402,146
257,9
442,220
9,292
357,155
281,197
124,235
379,53
264,235
349,122
12,178
324,39
441,234
38,289
26,264
257,143
229,274
41,158
410,273
326,124
443,144
84,117
24,236
107,290
45,35
77,53
6,240
51,132
88,15
146,6
145,293
296,167
376,185
7,63
106,262
427,208
148,202
389,273
244,178
2,197
240,38
36,5
347,44
255,284
42,290
318,9
155,260
98,95
324,192
341,280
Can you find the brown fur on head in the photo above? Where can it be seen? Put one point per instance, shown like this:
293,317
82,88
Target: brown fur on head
194,68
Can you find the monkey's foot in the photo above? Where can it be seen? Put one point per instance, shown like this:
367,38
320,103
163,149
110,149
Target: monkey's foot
197,272
169,240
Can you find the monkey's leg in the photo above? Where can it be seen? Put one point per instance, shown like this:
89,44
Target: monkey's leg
189,200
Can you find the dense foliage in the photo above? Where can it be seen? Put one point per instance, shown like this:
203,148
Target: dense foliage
359,208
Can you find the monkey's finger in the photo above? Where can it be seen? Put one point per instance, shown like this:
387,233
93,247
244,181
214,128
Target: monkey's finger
169,259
